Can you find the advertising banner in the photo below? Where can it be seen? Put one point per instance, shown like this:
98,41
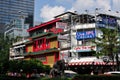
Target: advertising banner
61,25
84,48
106,20
85,35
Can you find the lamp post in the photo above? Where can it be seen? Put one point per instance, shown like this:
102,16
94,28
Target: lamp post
71,34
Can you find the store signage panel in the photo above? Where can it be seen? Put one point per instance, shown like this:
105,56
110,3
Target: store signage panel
55,30
85,35
108,20
64,44
62,37
105,20
84,48
64,54
61,25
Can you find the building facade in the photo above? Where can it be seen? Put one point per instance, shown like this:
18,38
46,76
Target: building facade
70,37
12,9
84,28
43,42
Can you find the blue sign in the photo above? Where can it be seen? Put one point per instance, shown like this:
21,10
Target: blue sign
85,35
105,20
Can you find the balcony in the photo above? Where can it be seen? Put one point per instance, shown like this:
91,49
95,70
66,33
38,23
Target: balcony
41,52
52,36
40,35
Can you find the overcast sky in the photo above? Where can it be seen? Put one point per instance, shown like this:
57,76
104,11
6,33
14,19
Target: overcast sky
45,10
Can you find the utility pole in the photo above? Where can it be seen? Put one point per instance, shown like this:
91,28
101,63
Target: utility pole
117,56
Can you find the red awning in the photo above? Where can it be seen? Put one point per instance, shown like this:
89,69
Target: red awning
90,63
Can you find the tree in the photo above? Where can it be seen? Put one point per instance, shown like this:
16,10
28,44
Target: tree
5,44
108,43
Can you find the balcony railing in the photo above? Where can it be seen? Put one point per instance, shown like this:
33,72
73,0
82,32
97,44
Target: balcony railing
41,52
41,34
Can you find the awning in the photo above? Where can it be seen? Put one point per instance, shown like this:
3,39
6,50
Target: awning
90,63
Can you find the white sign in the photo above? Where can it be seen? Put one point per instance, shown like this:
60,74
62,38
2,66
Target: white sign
62,37
61,25
64,44
84,48
64,54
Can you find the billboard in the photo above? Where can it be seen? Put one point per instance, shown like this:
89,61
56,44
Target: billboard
106,20
85,35
61,25
84,48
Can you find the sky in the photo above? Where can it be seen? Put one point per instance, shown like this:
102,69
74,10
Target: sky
45,10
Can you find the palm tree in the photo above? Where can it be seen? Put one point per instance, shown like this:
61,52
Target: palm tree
107,43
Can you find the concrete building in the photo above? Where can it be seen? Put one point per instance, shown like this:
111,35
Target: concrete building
69,36
83,29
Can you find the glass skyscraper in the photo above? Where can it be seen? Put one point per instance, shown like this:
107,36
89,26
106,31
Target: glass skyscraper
12,9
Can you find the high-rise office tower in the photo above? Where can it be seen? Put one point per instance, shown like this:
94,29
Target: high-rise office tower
12,9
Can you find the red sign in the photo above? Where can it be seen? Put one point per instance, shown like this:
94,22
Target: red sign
55,30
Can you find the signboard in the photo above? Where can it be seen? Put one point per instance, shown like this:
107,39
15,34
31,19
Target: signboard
64,54
61,25
64,44
84,48
54,30
106,20
85,35
62,37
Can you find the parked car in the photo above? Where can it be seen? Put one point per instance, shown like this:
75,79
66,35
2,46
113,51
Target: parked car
112,73
69,73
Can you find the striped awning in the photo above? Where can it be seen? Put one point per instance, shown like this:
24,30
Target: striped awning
90,63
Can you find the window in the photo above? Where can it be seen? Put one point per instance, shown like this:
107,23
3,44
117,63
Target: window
85,54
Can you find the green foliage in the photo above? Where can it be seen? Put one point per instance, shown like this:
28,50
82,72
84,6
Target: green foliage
5,77
27,66
108,43
5,44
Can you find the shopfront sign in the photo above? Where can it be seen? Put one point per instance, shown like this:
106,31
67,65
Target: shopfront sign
64,44
85,35
62,37
64,54
84,48
102,21
61,25
55,30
